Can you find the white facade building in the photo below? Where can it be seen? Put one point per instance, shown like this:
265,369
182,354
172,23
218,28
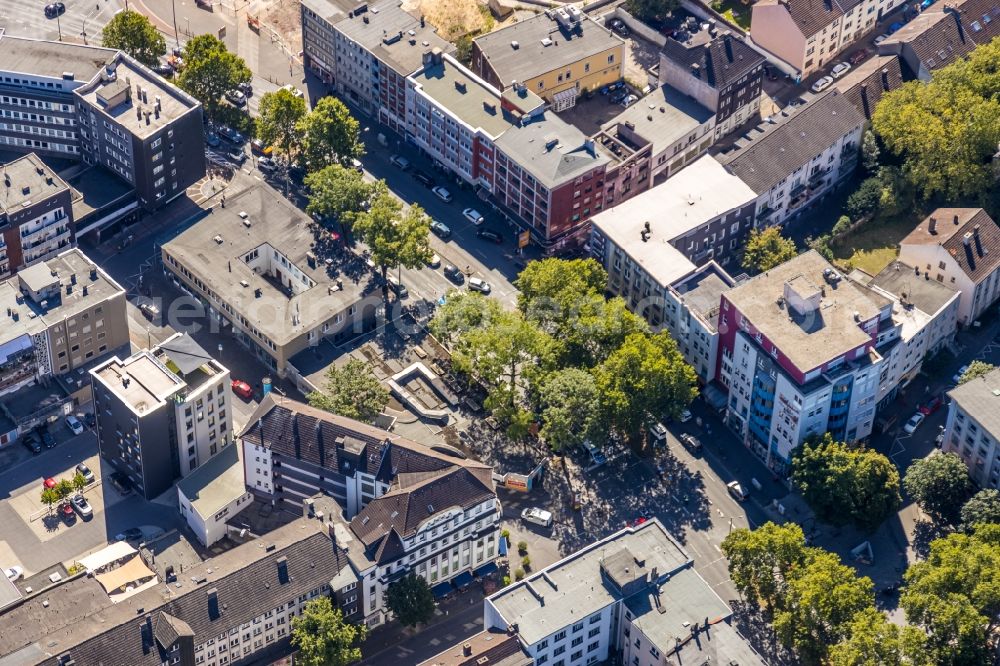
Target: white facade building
973,428
212,494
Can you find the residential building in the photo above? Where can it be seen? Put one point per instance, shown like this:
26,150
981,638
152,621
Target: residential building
61,314
960,248
36,214
973,428
797,353
721,71
808,34
558,55
102,107
691,314
795,158
255,265
236,607
632,598
405,508
162,412
494,647
365,52
865,85
214,493
924,320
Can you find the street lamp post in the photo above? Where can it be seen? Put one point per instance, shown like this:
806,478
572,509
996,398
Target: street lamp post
59,27
173,8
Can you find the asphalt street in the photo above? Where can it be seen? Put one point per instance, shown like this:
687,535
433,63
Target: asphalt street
27,19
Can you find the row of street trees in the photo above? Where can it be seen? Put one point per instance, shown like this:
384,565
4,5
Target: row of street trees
63,489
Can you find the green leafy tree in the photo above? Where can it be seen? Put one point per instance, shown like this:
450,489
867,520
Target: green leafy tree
411,600
339,193
767,248
352,390
64,488
550,289
865,201
844,485
842,225
570,406
642,379
210,71
940,485
982,508
133,33
976,370
462,312
873,640
330,135
821,601
394,238
870,152
322,636
50,496
651,10
761,561
954,595
79,482
278,123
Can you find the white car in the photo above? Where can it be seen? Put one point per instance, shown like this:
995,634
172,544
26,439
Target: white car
442,194
472,215
13,573
840,69
881,38
537,516
434,262
736,490
958,375
265,163
292,89
480,285
822,84
685,416
914,423
74,424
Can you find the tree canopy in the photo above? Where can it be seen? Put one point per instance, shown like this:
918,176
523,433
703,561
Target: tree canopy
352,390
761,561
323,638
133,33
278,120
648,10
210,71
975,370
330,135
865,200
411,600
982,508
767,248
340,193
846,485
940,485
463,311
394,237
872,640
571,408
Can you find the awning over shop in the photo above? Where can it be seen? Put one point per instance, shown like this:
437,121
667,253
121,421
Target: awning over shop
715,397
462,579
441,589
485,570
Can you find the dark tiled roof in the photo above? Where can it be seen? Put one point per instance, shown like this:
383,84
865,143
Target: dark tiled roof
980,18
390,549
167,629
935,38
490,647
776,150
968,234
865,85
811,16
721,60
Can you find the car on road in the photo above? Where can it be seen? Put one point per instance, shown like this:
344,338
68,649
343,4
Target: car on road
440,229
658,434
619,97
858,56
131,534
914,423
49,482
957,377
692,443
442,194
54,9
685,416
260,148
229,134
236,98
822,84
619,26
68,514
397,287
82,506
629,100
932,405
48,441
246,88
434,261
895,27
265,164
74,425
32,444
472,215
242,389
292,89
90,419
537,516
213,140
840,69
13,573
85,472
237,156
881,38
736,490
399,162
423,178
453,274
149,310
490,235
163,69
480,285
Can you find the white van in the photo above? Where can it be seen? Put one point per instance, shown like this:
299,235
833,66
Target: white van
537,516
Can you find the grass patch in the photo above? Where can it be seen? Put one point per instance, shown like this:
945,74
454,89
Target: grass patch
874,245
734,11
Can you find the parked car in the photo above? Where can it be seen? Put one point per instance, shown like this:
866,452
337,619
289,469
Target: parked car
881,38
440,229
48,441
246,88
13,573
74,425
658,434
131,534
265,164
822,84
49,482
229,134
453,274
292,89
629,100
434,261
213,140
685,416
236,98
423,178
257,146
537,516
692,443
31,443
619,97
619,26
840,69
54,9
149,310
490,235
397,287
770,73
399,162
472,215
480,285
242,389
736,490
957,377
68,514
89,419
163,69
914,423
442,194
858,56
932,405
895,27
84,471
237,156
82,506
357,166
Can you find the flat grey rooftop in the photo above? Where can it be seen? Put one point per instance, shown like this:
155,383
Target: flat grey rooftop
216,483
551,150
140,381
928,295
395,36
32,399
31,182
980,399
52,59
663,117
465,95
702,290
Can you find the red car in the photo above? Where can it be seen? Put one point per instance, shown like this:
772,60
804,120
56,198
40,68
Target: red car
242,389
858,56
50,483
932,405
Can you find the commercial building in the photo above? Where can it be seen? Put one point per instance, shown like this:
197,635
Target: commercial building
865,85
162,412
960,248
494,647
104,108
255,265
797,353
632,597
973,428
558,55
212,494
720,70
36,214
405,508
793,159
808,34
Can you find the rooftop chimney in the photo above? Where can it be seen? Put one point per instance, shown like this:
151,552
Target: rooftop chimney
967,241
282,563
979,243
955,220
213,604
467,649
885,79
727,39
932,225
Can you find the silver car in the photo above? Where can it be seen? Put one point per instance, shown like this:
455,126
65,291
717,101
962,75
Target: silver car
82,506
